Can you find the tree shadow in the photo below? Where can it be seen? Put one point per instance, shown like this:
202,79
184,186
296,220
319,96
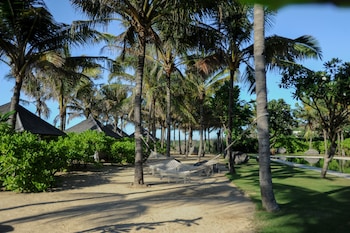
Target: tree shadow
119,228
6,228
83,178
312,211
306,206
113,212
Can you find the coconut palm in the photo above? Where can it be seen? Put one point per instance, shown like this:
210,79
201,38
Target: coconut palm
28,39
308,118
141,17
265,177
35,88
233,20
64,81
204,79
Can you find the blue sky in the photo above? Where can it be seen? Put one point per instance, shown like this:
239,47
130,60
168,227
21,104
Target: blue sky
327,23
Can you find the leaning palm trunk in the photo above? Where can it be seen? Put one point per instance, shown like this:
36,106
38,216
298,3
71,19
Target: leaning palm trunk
15,100
265,177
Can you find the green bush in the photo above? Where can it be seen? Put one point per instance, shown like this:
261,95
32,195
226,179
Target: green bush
123,151
291,143
27,163
82,146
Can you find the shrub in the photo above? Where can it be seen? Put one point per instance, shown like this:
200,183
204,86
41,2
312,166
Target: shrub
27,163
82,146
291,143
123,151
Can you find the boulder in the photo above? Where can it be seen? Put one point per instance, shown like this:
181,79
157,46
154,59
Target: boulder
240,157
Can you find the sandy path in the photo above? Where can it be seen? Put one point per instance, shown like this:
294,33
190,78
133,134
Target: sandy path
104,201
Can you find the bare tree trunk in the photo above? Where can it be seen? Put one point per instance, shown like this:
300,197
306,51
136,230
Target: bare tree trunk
15,100
162,137
218,144
186,143
230,127
265,177
209,141
168,116
138,176
190,140
179,135
325,142
329,156
201,119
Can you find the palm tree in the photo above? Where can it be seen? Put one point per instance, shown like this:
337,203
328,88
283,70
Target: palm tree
114,98
35,88
141,17
265,177
308,117
29,38
204,79
63,82
233,20
27,34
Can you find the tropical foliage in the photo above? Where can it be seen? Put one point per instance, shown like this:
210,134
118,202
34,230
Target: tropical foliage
29,164
328,94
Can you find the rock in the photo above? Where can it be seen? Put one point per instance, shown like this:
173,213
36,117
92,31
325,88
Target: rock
240,157
281,150
312,152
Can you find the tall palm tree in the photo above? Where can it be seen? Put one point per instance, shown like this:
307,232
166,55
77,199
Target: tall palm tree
28,38
141,16
114,98
35,88
233,20
204,79
265,177
308,118
64,80
27,34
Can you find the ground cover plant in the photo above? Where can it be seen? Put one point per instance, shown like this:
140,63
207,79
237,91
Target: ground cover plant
308,203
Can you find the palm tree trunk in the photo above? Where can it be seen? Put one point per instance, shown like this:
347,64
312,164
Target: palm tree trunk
201,119
63,112
230,126
190,141
168,116
265,177
186,142
138,176
153,119
15,100
179,136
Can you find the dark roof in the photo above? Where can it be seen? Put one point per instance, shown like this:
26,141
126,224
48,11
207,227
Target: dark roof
119,131
93,124
28,121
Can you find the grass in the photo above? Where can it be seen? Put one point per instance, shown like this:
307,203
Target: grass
308,203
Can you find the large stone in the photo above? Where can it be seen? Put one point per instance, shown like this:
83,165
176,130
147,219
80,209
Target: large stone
311,152
240,157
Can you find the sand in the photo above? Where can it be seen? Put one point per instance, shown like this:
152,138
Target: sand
102,200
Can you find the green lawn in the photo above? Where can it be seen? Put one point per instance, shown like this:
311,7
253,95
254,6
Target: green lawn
308,203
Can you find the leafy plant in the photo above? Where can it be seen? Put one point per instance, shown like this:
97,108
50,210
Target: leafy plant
82,146
123,151
27,163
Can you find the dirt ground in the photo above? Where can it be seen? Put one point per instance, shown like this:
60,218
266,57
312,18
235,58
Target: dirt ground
102,200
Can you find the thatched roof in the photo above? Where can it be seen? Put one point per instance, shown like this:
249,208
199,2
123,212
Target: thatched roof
93,124
28,121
